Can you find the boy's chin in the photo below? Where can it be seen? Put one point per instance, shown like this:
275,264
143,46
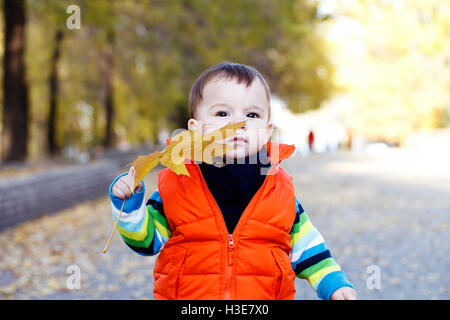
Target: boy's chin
236,156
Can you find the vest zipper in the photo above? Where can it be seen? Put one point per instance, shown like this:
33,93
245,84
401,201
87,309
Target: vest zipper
230,265
224,226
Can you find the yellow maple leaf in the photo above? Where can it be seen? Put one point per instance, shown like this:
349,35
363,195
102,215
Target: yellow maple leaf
189,144
192,145
145,164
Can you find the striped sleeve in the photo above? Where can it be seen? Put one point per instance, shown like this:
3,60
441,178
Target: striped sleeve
311,259
142,226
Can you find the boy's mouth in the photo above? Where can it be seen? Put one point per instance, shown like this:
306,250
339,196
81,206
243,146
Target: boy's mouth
237,140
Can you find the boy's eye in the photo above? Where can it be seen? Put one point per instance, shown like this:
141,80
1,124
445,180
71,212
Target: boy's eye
256,115
224,114
221,114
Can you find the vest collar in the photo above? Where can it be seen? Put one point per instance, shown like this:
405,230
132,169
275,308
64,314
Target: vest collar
279,151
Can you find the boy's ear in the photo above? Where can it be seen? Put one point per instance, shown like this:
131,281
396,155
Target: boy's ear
194,124
269,131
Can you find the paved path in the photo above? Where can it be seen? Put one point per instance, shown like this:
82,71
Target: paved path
388,213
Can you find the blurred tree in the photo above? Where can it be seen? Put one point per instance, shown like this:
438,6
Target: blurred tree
443,117
301,72
393,60
126,74
102,18
15,89
44,68
54,90
106,65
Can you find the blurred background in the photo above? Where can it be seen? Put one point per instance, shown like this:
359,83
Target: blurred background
362,88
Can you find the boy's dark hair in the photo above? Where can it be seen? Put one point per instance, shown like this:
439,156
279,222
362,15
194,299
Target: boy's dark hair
239,72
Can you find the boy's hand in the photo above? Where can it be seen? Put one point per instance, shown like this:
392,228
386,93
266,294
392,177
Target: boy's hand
122,188
344,293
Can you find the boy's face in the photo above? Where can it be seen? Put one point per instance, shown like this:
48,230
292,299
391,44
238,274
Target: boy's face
227,101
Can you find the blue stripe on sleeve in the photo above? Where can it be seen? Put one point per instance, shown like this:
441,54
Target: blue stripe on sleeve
313,251
307,238
156,242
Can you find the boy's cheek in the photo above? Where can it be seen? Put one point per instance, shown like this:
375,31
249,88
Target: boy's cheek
209,127
258,137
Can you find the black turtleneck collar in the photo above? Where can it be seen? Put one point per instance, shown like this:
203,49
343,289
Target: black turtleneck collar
234,184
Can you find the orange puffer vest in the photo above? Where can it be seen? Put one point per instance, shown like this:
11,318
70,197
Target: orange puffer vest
203,261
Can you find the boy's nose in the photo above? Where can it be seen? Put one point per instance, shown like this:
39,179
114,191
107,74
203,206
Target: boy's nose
244,125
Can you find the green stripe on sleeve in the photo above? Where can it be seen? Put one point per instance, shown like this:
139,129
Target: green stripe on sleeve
147,241
320,265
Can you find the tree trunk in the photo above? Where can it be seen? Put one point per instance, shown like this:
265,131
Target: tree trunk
15,91
52,145
106,72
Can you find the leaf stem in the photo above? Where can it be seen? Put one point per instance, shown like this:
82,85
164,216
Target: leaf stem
114,229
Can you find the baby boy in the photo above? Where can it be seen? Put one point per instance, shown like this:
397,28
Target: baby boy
228,231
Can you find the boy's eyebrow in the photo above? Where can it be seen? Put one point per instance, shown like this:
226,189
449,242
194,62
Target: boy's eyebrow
226,105
219,105
258,107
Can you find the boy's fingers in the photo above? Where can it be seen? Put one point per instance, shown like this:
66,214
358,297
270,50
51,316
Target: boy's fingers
350,295
130,176
118,193
337,295
344,293
139,187
123,186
